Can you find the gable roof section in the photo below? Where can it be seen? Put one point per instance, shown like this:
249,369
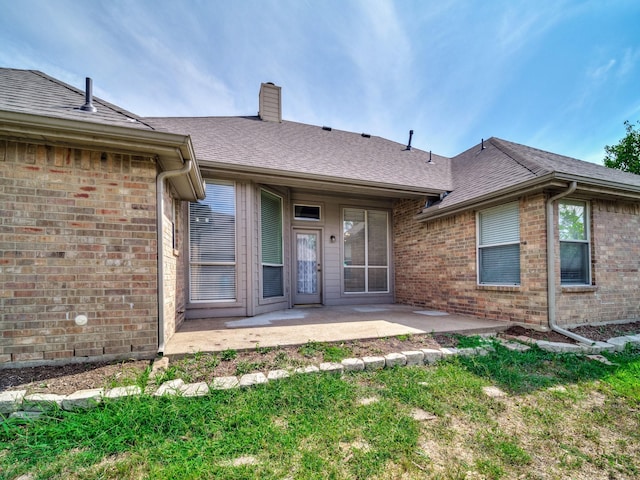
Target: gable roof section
40,108
505,169
297,154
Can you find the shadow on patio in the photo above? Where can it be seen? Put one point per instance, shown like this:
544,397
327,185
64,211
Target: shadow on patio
300,325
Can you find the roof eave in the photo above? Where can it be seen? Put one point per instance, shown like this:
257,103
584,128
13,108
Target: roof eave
319,182
589,185
170,149
505,194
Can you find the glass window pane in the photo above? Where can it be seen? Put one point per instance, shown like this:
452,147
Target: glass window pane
354,237
574,262
272,281
378,280
306,212
354,279
213,282
572,221
271,220
212,225
377,238
500,265
500,224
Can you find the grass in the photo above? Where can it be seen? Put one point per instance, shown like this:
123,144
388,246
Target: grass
329,352
563,416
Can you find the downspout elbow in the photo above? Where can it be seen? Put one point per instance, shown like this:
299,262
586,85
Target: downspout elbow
160,178
551,268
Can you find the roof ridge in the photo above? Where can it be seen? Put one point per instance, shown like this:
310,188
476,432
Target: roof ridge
113,107
505,147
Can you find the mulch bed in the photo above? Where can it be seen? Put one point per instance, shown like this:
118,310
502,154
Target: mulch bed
67,379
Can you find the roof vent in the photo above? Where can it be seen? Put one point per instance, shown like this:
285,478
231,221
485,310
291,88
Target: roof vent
430,162
88,97
410,137
270,108
365,135
328,129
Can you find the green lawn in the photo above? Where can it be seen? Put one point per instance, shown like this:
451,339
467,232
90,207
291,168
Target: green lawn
563,416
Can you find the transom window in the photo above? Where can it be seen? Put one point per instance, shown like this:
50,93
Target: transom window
366,251
306,212
212,244
575,256
499,245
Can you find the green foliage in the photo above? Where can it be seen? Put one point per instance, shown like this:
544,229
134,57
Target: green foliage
625,155
317,426
228,355
329,352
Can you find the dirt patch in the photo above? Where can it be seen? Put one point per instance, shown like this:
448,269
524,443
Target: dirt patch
602,333
66,379
549,336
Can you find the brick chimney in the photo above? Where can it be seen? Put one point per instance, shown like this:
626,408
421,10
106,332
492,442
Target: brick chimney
270,103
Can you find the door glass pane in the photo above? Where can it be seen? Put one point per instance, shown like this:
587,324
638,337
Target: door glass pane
306,254
354,237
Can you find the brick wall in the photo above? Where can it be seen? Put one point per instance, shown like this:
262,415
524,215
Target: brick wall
77,237
615,253
174,287
435,265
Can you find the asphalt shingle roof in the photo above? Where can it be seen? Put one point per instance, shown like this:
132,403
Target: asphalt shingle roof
501,165
309,151
33,92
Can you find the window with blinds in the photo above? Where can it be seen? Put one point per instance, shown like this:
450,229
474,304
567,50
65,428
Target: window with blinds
272,248
499,245
365,251
575,256
212,244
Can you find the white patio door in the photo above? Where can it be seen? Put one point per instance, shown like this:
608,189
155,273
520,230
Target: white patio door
307,275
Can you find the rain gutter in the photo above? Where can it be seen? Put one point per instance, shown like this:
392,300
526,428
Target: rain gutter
160,178
551,268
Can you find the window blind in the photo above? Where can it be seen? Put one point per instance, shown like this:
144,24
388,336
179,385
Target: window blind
499,245
212,244
271,239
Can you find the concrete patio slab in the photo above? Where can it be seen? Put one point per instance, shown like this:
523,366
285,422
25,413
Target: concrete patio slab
298,326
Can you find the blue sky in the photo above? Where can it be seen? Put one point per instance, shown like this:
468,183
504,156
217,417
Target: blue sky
559,75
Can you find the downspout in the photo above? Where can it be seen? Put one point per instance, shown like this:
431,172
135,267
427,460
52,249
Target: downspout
160,178
551,268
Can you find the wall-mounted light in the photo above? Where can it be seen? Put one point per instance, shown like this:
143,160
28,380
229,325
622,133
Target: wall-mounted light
332,238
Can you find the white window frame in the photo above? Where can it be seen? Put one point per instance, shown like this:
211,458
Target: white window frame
480,246
366,267
234,263
587,240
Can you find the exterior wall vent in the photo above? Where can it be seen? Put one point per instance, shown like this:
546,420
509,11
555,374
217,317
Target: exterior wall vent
270,103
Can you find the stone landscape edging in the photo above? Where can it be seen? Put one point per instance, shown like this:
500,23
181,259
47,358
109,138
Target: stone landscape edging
17,404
